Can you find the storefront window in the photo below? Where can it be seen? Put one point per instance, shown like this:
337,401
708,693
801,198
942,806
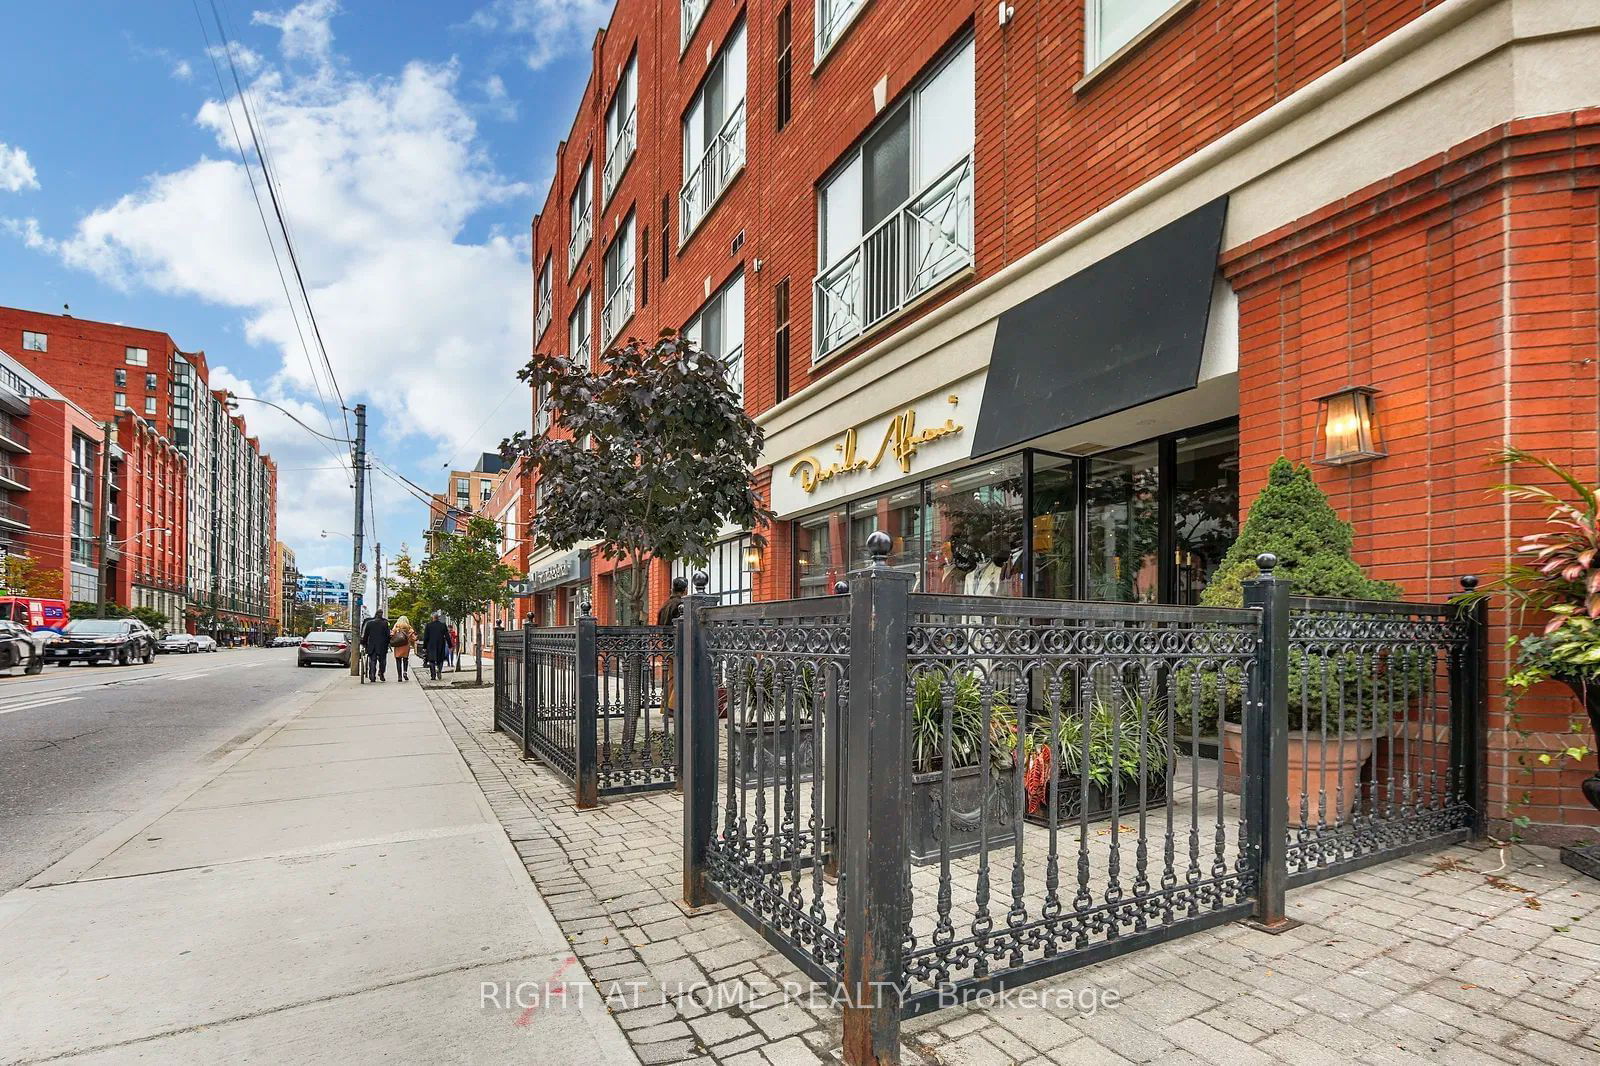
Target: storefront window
819,560
1205,508
1123,526
899,514
975,543
727,571
1054,514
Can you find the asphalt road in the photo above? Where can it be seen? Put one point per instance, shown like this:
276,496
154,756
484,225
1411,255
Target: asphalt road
83,747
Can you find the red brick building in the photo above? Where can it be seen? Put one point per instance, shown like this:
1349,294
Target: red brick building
1088,267
146,566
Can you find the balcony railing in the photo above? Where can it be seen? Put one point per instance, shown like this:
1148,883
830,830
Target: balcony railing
541,318
693,10
620,152
734,363
580,240
14,513
15,474
928,239
618,309
833,17
581,351
11,433
723,159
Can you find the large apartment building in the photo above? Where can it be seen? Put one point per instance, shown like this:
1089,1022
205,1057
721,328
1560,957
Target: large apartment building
196,539
1041,290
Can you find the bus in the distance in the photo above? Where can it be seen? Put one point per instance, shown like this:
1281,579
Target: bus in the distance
41,616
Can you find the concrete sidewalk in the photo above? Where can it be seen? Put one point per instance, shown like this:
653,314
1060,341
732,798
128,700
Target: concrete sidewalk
336,890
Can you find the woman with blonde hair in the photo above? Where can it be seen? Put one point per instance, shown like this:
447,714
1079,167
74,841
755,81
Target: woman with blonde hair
402,638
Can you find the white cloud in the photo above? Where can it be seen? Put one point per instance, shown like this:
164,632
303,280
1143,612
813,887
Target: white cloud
500,103
182,71
548,28
378,177
16,172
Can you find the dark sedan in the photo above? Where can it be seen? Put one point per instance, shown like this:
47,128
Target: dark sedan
104,640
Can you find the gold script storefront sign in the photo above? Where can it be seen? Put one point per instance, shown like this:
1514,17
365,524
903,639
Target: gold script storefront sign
901,439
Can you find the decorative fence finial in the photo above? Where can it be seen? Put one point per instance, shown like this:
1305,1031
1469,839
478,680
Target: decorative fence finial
841,587
1266,562
1469,582
878,545
701,580
585,608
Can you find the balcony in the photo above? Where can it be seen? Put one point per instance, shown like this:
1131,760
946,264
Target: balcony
541,318
734,364
15,392
928,239
581,354
12,435
13,515
618,309
582,230
619,153
693,11
723,159
13,476
833,18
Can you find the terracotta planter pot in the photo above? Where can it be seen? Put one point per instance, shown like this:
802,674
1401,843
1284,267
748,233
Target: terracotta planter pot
1326,775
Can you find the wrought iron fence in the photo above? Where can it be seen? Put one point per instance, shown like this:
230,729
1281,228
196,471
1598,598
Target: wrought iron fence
921,798
593,703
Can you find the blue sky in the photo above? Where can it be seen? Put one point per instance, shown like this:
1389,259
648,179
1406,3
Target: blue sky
412,142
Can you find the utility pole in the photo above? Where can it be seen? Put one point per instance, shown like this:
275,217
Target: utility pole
355,568
103,518
377,571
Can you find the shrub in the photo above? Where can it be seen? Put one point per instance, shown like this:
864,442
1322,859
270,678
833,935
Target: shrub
966,723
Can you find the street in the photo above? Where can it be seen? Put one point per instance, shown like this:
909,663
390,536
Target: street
85,746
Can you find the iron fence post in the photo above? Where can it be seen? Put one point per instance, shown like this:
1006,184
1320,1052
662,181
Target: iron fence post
588,715
529,680
698,728
1265,765
678,704
832,764
874,854
1468,714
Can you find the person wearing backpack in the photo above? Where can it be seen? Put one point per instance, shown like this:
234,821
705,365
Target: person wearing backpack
402,638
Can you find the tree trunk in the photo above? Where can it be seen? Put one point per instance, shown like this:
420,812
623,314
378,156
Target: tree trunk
477,625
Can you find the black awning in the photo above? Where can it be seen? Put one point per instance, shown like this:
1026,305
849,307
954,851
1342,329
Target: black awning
1121,332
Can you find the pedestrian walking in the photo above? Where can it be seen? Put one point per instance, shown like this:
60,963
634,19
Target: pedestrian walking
435,644
375,642
455,643
669,614
402,638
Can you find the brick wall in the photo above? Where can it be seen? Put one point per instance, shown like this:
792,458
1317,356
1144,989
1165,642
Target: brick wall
1465,288
83,357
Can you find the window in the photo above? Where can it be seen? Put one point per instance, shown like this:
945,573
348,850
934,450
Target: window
149,405
644,275
895,217
150,382
136,356
713,134
578,331
462,487
120,400
727,568
622,126
693,10
618,307
833,18
1110,24
666,236
975,530
785,66
541,317
718,329
541,414
780,338
485,490
34,342
581,217
119,377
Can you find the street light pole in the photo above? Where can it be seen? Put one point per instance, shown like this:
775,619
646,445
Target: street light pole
103,518
355,568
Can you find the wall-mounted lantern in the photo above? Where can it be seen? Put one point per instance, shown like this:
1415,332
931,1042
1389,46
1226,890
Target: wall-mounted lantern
752,559
1350,426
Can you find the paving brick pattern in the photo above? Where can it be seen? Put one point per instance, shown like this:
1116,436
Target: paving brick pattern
1430,959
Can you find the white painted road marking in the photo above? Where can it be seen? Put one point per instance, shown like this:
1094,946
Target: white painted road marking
39,703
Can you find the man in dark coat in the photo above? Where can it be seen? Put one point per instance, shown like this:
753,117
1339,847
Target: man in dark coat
670,612
435,644
375,642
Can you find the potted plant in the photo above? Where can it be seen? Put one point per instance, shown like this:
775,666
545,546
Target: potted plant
975,797
1555,576
766,742
1123,743
1337,711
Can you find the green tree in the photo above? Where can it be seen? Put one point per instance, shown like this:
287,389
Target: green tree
25,577
90,609
1293,520
651,455
464,576
405,590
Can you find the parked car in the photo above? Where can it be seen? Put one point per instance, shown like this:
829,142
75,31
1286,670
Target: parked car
21,647
92,640
288,640
180,643
206,643
325,647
